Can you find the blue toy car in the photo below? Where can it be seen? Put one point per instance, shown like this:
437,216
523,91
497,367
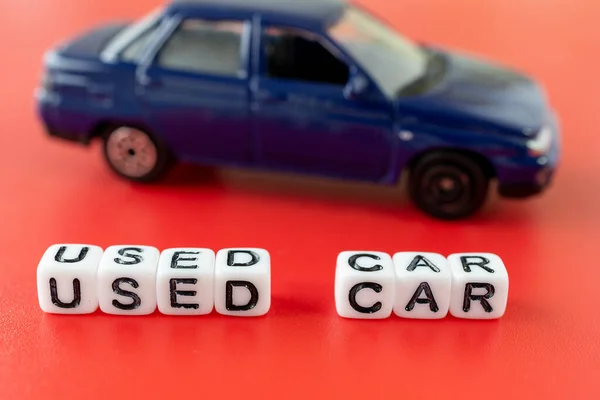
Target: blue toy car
319,87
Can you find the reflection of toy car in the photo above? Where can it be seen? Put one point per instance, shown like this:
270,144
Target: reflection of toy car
314,87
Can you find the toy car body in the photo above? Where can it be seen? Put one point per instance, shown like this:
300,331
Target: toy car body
319,87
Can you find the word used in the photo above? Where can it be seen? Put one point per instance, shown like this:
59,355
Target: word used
136,280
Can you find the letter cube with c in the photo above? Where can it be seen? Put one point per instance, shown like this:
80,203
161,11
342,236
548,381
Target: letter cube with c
243,282
364,285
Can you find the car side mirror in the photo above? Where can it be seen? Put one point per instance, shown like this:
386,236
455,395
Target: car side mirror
356,87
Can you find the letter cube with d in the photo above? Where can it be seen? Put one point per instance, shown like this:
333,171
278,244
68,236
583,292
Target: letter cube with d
243,282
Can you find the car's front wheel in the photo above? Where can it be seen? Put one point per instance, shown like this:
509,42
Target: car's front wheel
448,185
134,154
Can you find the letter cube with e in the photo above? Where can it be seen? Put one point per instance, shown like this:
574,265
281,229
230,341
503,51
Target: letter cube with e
243,282
364,285
423,285
127,280
479,285
66,279
185,281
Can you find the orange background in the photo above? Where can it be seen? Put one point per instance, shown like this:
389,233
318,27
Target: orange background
546,346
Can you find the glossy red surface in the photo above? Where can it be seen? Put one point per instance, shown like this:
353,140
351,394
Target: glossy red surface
546,346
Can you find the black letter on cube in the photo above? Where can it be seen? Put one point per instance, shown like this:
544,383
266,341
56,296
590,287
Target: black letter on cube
125,253
377,288
174,292
420,261
423,287
352,261
136,299
231,258
482,298
61,252
229,285
76,294
176,259
481,262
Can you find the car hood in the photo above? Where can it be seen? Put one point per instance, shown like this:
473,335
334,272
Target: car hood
91,43
479,94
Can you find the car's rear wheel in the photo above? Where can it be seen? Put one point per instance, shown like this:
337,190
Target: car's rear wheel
448,185
134,154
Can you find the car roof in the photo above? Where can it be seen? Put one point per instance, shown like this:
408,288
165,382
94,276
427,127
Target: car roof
312,12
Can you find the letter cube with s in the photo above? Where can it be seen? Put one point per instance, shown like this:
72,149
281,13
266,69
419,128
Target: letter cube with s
127,280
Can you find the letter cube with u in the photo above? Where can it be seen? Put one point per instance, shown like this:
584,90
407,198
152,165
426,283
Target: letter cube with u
66,279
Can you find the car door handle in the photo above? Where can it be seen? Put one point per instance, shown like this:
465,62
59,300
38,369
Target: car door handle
148,82
266,96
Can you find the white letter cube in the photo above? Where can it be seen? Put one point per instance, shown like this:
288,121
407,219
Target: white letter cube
479,286
127,280
364,285
243,282
185,281
423,285
66,279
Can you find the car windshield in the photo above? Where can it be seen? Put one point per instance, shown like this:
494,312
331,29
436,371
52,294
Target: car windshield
391,60
131,32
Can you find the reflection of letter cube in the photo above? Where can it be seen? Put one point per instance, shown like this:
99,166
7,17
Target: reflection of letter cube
243,282
423,285
66,279
364,285
127,280
185,281
479,286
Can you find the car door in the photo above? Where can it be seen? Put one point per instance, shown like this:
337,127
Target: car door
303,117
194,88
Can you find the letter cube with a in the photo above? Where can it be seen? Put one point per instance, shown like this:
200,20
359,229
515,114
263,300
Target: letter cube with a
127,280
185,281
479,286
66,279
243,282
364,285
423,285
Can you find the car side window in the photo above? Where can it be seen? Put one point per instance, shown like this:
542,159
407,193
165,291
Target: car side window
205,47
302,56
136,47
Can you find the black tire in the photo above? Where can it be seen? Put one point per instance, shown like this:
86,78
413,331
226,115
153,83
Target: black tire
448,185
134,154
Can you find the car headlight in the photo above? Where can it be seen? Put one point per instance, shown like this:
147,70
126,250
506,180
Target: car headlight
542,142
